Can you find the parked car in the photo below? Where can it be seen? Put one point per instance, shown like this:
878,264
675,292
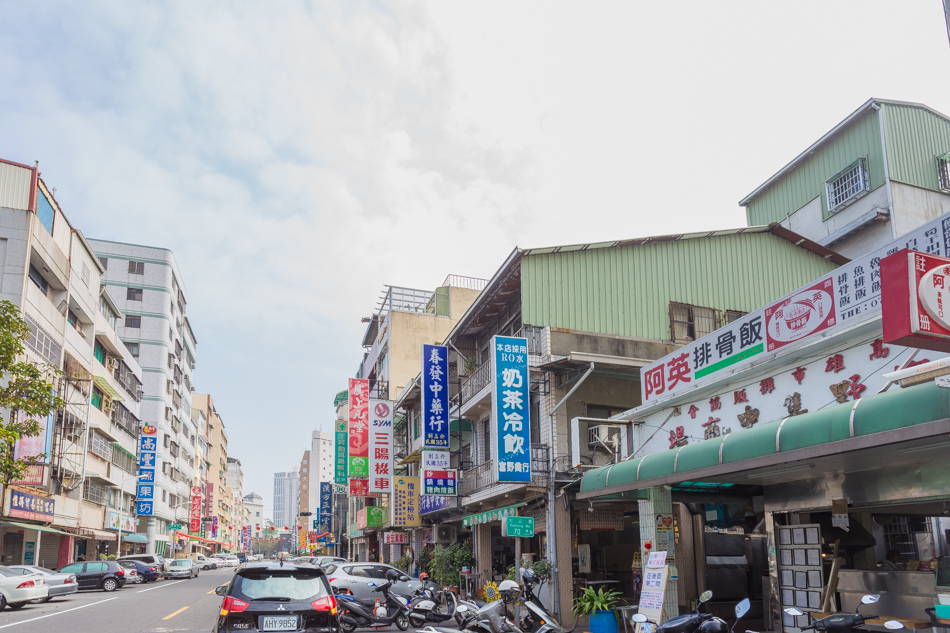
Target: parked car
206,563
182,568
304,560
324,561
107,575
148,559
269,596
58,584
131,572
16,589
352,578
229,560
144,572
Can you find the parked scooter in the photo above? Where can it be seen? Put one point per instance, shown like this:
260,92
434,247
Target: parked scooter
492,617
355,612
432,605
696,622
845,622
536,619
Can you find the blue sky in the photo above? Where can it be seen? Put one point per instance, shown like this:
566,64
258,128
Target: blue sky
297,156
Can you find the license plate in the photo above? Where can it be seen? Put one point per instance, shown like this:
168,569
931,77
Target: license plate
278,623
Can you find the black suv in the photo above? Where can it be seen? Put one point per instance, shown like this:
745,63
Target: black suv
107,575
270,596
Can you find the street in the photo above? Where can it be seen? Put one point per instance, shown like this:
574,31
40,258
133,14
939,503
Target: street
163,606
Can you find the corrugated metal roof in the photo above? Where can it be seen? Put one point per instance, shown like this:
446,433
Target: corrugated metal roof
837,129
914,137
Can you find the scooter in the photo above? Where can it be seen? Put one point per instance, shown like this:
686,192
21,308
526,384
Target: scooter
430,605
703,622
844,622
536,619
492,617
355,612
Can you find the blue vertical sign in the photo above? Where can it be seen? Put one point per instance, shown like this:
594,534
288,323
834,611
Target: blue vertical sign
510,408
326,507
435,396
148,461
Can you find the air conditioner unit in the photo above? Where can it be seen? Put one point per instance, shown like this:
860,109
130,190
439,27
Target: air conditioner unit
606,435
112,363
444,534
138,394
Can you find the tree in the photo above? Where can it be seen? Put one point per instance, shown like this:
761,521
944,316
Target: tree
27,391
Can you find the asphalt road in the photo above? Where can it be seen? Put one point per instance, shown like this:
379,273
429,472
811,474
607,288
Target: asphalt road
160,607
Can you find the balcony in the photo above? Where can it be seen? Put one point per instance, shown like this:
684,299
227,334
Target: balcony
483,476
475,382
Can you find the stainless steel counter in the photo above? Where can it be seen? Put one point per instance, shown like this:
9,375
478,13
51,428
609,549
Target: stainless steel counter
904,594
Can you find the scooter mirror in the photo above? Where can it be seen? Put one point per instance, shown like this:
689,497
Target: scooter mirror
371,584
893,625
638,617
404,579
742,608
870,598
705,596
794,611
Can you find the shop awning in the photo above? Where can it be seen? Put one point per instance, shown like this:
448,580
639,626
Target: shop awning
103,383
36,526
91,533
135,538
896,415
491,515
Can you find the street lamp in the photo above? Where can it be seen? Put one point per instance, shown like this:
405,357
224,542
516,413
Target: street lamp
118,551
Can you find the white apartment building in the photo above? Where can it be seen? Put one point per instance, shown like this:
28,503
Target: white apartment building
85,484
286,498
254,506
321,465
148,288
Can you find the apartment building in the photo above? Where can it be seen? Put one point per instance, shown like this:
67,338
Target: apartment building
85,484
320,468
218,498
148,288
234,479
286,498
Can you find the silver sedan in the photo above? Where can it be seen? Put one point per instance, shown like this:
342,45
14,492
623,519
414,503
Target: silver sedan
181,568
360,579
59,584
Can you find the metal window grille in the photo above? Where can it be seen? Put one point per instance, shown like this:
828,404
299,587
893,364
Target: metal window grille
124,460
733,315
691,322
95,492
42,343
847,186
943,171
99,445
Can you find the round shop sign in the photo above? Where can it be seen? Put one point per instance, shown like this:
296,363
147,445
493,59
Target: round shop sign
382,410
799,316
935,296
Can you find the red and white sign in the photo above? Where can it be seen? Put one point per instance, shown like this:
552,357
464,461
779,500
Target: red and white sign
195,523
35,475
809,311
380,446
358,428
916,300
360,488
396,538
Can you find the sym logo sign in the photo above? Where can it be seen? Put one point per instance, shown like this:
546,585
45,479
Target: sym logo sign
382,410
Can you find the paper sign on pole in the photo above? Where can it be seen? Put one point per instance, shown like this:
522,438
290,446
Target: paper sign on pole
654,591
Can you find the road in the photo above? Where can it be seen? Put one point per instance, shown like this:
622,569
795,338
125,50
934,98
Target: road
160,607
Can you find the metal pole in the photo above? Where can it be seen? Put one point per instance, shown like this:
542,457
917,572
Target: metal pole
517,577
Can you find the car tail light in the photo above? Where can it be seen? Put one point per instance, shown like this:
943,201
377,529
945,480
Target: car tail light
330,579
25,584
69,580
151,569
325,604
120,573
233,606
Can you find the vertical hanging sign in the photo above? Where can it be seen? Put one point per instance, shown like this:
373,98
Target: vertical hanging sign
380,446
435,396
326,507
195,525
405,502
358,428
148,463
339,471
510,408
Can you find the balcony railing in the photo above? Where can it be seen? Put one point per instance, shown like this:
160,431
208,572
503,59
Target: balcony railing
482,476
535,337
475,382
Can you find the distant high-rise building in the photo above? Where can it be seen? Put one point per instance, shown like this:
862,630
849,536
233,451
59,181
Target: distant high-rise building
254,505
321,466
286,498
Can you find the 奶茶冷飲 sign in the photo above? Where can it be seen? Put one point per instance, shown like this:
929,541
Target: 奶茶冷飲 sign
510,408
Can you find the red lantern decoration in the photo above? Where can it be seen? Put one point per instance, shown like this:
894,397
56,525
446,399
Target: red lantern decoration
229,527
286,527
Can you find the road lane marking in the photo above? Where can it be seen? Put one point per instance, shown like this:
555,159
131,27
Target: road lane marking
160,586
91,604
170,616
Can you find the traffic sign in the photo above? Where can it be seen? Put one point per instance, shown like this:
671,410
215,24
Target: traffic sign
519,527
175,526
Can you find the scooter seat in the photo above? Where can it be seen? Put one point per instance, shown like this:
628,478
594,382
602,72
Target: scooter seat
366,602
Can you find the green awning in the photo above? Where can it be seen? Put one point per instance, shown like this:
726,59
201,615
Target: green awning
33,526
103,384
890,411
135,538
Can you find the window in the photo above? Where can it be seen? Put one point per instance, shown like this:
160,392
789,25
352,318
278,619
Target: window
99,445
133,294
133,349
105,262
85,273
171,336
74,321
100,353
943,171
39,280
44,210
96,493
171,360
96,398
136,268
847,186
133,321
733,315
689,322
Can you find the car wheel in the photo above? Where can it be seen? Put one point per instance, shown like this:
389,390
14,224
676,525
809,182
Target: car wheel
347,627
17,605
41,600
402,622
3,602
110,584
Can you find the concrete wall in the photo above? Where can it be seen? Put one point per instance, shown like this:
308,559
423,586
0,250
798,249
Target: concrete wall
916,206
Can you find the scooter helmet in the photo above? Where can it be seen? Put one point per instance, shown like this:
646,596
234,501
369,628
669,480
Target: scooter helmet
713,625
423,576
510,591
529,576
393,575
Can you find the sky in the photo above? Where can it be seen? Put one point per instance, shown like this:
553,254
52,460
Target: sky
298,156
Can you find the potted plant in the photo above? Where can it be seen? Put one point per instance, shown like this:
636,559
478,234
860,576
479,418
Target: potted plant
599,605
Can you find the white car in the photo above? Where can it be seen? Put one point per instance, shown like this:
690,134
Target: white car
224,560
16,588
